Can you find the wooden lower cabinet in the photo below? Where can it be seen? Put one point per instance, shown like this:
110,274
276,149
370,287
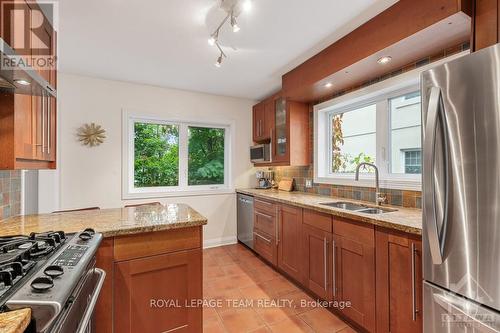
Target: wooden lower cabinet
144,273
399,282
317,260
354,269
289,239
377,270
154,294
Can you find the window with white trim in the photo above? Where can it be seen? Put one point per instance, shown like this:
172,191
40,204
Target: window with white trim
382,127
166,158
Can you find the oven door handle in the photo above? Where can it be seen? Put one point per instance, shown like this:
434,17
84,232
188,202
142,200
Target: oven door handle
91,305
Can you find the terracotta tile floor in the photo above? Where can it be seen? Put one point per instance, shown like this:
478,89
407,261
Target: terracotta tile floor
247,295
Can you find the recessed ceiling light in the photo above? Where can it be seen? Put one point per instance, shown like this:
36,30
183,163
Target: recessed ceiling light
22,82
328,85
384,60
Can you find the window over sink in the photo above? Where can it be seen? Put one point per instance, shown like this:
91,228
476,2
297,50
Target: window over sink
174,158
379,124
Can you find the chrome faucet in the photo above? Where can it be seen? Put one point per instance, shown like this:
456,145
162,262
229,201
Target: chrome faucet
379,198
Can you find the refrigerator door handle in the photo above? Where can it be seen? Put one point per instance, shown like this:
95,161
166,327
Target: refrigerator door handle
434,115
468,315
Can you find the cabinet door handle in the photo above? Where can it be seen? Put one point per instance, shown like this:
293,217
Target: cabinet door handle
277,226
334,270
325,262
43,122
262,237
48,124
263,202
413,283
265,215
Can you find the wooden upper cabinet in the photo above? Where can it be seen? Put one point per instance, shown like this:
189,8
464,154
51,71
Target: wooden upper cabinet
28,122
290,141
258,119
399,282
263,121
141,285
288,240
354,271
284,125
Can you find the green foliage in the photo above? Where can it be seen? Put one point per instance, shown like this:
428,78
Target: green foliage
156,155
206,156
344,162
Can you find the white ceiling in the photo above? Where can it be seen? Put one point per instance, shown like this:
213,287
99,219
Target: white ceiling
164,42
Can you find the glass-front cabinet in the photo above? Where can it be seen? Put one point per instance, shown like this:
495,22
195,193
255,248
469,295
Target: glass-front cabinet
280,140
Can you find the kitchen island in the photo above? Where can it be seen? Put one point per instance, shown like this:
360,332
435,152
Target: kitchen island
152,256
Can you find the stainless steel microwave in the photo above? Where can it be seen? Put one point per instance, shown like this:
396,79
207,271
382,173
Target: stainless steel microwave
260,153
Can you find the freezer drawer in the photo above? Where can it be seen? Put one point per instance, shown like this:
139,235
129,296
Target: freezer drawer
448,313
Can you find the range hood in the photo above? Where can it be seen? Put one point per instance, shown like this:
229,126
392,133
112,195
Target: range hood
21,79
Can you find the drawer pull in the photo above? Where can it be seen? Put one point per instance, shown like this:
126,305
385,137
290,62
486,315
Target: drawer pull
265,215
263,202
263,238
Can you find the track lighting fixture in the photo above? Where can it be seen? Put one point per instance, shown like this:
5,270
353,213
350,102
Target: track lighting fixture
233,8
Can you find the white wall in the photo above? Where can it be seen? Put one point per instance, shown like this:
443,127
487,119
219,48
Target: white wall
92,176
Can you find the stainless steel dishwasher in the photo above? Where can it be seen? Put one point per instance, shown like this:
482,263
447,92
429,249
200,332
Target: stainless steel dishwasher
245,219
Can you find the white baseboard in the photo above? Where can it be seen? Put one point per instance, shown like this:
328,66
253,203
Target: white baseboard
214,242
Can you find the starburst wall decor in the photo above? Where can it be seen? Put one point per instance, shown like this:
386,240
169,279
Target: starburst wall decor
91,134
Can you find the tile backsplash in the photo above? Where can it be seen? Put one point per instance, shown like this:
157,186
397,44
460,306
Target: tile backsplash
410,199
10,193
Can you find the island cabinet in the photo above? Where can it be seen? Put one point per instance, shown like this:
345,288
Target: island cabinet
288,240
354,270
399,282
153,282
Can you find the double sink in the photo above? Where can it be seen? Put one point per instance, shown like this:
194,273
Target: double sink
358,208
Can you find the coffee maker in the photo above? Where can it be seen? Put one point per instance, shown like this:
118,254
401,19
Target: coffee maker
264,179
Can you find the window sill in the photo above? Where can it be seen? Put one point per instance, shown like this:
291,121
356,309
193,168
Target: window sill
369,181
177,193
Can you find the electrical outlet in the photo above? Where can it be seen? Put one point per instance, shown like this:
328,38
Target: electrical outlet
309,183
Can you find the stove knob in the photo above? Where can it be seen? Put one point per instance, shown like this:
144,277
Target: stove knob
53,271
42,283
90,231
85,236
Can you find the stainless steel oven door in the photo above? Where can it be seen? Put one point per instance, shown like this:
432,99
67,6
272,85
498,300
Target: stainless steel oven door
78,312
445,312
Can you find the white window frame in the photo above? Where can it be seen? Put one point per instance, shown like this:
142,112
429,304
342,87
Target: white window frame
378,93
129,191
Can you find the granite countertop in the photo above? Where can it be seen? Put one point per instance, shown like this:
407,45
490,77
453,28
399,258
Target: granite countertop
15,321
110,222
404,219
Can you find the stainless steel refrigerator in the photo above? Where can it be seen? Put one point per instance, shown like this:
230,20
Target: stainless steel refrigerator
461,193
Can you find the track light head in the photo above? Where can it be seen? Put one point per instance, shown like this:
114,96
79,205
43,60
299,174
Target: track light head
234,24
218,63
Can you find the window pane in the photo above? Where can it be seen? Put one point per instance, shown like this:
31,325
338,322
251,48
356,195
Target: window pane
353,138
156,148
405,134
206,156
